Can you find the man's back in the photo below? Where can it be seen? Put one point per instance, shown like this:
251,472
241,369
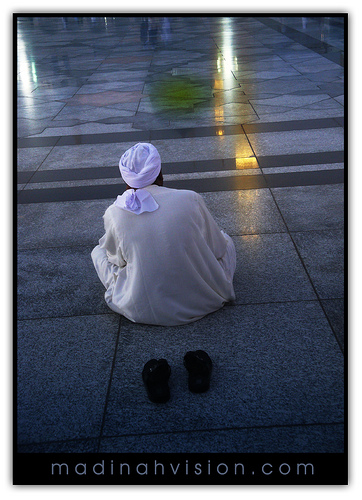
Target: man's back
169,271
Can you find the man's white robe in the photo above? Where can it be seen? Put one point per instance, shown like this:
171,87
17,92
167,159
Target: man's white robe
167,267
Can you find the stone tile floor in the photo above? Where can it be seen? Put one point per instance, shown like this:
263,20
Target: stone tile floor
249,112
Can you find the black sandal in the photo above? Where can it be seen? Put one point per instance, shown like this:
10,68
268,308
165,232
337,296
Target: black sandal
199,366
155,376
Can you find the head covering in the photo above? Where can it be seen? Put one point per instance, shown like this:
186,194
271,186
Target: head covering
139,166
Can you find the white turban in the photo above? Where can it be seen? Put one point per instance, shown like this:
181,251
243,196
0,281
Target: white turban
139,166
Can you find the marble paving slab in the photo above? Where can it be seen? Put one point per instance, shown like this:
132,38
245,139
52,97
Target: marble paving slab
270,368
51,225
269,270
245,212
64,366
306,208
58,282
323,255
296,142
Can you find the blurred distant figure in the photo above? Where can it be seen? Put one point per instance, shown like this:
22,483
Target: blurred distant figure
153,27
165,31
144,30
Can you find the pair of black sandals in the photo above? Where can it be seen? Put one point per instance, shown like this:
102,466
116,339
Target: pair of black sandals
156,374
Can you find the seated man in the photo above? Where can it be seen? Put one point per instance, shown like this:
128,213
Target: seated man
163,260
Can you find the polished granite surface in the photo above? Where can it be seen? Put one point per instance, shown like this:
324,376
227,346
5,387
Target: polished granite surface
248,111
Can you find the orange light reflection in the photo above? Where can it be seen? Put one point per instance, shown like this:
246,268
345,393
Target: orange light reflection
245,163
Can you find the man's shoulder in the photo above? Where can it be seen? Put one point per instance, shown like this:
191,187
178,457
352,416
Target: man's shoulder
113,211
180,193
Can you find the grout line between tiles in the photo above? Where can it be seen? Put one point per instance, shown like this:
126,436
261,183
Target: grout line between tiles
297,250
110,383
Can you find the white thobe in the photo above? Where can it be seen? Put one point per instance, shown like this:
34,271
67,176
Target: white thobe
167,267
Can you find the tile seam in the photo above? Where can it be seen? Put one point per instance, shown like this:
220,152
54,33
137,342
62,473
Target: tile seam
227,429
171,134
314,289
116,347
229,305
232,183
264,162
318,294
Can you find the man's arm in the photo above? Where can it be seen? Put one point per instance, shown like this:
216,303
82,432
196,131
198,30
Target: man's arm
110,242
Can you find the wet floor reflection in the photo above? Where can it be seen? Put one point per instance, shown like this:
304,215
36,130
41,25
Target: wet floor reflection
227,64
324,35
199,91
193,81
246,163
27,70
321,28
155,31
